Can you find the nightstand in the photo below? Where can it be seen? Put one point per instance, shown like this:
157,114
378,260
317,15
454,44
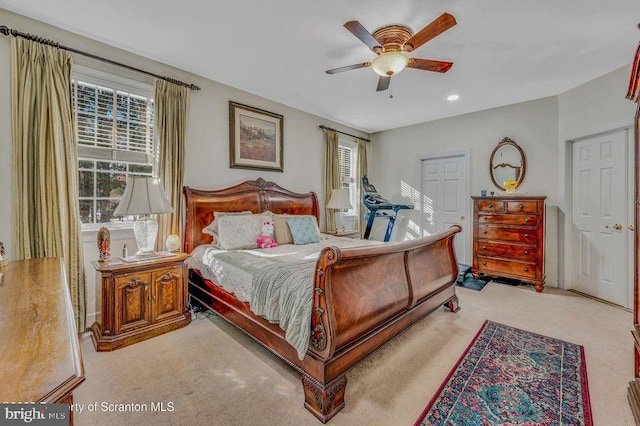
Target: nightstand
346,234
139,300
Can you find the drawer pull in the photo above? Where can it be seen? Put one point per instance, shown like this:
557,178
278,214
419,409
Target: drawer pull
526,269
484,232
526,235
490,206
526,252
526,220
484,263
521,206
484,247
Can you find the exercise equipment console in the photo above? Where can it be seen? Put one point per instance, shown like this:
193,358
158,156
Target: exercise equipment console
379,207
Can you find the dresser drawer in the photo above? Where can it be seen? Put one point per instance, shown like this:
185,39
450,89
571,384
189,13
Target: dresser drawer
512,251
522,206
509,219
487,265
507,234
490,206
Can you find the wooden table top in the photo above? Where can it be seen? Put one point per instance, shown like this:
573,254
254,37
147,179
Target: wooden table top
116,264
40,359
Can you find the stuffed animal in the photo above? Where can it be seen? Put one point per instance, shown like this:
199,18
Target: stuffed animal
266,239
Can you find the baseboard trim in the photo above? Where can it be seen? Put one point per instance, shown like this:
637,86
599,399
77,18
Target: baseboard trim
597,299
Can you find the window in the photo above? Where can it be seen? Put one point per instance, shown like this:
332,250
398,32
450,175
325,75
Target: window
348,161
115,140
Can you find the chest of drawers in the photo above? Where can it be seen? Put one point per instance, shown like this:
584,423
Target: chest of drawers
508,238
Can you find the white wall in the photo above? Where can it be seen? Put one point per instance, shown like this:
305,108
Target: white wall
533,125
207,148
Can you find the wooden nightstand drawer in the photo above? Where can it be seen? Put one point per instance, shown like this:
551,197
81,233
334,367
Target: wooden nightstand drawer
522,206
131,296
506,250
488,232
487,265
490,206
509,219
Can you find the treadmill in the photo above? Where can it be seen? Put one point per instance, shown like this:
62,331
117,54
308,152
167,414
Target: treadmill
379,207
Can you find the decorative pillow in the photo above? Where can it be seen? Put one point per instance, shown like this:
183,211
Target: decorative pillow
212,228
303,229
281,228
240,231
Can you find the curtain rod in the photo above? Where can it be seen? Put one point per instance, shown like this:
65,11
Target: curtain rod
343,133
8,31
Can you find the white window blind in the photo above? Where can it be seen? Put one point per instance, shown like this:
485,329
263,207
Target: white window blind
115,120
347,160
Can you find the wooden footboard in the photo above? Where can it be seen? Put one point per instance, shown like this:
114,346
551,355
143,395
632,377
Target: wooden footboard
362,297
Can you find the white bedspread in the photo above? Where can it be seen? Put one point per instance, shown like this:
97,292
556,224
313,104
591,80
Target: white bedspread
273,276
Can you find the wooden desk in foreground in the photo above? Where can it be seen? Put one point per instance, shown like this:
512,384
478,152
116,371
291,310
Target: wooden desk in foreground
40,358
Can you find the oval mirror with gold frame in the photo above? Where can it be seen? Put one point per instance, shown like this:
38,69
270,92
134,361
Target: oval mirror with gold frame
507,163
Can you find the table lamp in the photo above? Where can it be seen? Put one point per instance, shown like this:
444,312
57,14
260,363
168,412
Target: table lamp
144,196
339,201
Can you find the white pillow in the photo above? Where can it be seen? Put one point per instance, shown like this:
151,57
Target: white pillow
212,228
237,232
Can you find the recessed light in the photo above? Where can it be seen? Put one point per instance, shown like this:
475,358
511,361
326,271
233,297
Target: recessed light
452,98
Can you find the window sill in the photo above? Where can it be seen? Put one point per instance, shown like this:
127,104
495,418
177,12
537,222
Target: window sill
118,231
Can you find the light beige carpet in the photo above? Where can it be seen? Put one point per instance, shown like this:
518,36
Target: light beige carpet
215,375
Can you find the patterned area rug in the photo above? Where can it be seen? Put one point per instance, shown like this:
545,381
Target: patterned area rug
509,376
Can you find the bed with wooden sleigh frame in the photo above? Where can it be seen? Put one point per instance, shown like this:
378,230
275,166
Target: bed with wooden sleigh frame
362,297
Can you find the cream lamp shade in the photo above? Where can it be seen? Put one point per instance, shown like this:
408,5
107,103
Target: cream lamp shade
144,196
339,201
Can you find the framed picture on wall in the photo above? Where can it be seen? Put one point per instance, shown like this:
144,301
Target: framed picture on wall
255,138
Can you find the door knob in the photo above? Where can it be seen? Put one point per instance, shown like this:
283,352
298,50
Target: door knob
616,226
631,228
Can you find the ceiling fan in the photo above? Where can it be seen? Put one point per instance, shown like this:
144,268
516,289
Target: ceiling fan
391,42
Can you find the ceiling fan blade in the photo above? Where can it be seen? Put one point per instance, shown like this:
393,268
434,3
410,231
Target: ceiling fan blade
349,67
435,28
383,83
361,32
429,65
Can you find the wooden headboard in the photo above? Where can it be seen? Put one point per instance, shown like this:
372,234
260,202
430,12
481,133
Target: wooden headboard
255,195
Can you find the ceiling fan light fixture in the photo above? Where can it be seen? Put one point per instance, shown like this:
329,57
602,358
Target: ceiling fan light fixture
389,63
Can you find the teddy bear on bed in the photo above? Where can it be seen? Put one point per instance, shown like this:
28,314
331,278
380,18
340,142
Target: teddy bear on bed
266,239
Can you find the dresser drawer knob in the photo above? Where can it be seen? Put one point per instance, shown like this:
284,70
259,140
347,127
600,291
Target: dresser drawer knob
484,232
526,220
526,235
526,269
526,252
521,206
484,247
490,206
484,263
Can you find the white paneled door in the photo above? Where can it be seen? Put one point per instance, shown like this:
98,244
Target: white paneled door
600,217
445,199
